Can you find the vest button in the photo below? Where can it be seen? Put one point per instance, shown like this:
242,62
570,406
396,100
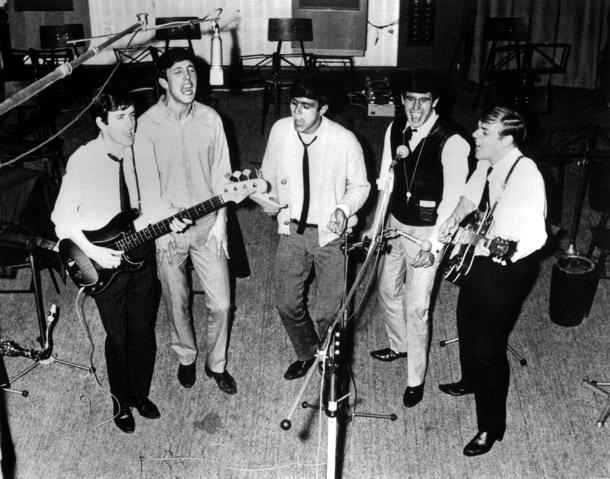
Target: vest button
286,222
284,181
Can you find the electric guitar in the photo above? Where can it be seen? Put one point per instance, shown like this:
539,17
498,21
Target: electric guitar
117,235
468,239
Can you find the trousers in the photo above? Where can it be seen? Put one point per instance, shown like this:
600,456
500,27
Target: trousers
214,277
128,310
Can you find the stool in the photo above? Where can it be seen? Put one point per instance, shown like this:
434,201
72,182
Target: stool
347,62
284,30
48,158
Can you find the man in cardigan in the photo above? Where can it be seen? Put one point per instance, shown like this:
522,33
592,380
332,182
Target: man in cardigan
316,168
425,190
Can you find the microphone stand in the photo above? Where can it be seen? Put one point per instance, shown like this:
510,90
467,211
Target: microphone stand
330,350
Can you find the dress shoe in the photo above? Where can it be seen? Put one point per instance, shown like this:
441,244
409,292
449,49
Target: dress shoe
187,375
481,443
387,355
225,381
456,389
146,408
413,395
124,419
298,369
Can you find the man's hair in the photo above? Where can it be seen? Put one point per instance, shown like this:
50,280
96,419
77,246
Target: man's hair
419,81
112,98
171,57
311,86
512,123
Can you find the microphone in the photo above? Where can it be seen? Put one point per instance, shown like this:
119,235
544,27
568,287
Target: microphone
216,73
401,152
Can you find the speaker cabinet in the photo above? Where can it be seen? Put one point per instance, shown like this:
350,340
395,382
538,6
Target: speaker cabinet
339,26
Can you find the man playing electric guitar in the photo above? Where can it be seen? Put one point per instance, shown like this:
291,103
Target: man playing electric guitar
491,293
91,194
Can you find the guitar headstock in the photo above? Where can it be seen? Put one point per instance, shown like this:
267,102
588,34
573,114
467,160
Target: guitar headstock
265,199
238,190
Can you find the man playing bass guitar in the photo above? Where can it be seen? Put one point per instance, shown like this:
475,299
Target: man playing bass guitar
492,292
91,194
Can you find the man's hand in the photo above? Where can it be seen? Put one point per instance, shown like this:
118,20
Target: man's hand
338,222
107,258
219,233
447,229
179,225
424,259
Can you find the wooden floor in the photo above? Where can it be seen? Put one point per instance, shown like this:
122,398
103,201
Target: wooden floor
63,429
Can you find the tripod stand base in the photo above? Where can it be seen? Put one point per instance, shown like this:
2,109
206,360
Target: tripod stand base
520,358
391,417
33,366
594,386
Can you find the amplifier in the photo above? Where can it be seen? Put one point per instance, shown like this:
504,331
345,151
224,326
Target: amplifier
375,109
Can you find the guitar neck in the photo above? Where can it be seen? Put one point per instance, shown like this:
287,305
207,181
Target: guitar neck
468,237
161,228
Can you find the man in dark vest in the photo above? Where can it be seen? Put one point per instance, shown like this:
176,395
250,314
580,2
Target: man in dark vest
425,190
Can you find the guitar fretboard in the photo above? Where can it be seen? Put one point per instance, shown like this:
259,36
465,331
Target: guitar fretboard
157,230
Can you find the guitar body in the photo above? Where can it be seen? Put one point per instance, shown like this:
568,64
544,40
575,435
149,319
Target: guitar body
468,238
118,234
459,266
85,272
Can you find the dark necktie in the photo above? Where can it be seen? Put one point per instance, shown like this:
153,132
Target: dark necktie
407,135
305,209
484,203
124,192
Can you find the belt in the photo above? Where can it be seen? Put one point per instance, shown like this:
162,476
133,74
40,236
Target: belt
307,225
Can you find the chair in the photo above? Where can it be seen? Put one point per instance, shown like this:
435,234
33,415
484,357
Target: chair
284,30
56,49
57,36
188,32
138,63
503,63
32,116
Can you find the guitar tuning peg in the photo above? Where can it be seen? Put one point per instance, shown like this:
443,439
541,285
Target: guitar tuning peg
246,173
236,174
259,174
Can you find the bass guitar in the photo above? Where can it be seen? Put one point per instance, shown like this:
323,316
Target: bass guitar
468,239
117,235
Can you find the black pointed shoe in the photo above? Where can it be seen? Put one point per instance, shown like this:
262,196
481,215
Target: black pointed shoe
298,369
387,355
225,381
124,419
187,375
413,395
481,443
456,389
146,408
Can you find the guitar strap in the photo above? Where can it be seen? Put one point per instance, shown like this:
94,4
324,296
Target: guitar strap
489,218
135,172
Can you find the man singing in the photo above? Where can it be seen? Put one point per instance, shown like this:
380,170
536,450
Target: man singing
492,293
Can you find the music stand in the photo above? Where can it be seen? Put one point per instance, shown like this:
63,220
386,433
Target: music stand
27,249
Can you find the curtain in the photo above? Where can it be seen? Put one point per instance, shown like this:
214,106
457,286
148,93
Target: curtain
582,23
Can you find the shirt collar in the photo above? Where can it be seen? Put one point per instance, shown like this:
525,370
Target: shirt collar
424,129
170,114
502,166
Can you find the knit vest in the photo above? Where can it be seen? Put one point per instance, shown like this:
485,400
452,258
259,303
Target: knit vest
425,180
